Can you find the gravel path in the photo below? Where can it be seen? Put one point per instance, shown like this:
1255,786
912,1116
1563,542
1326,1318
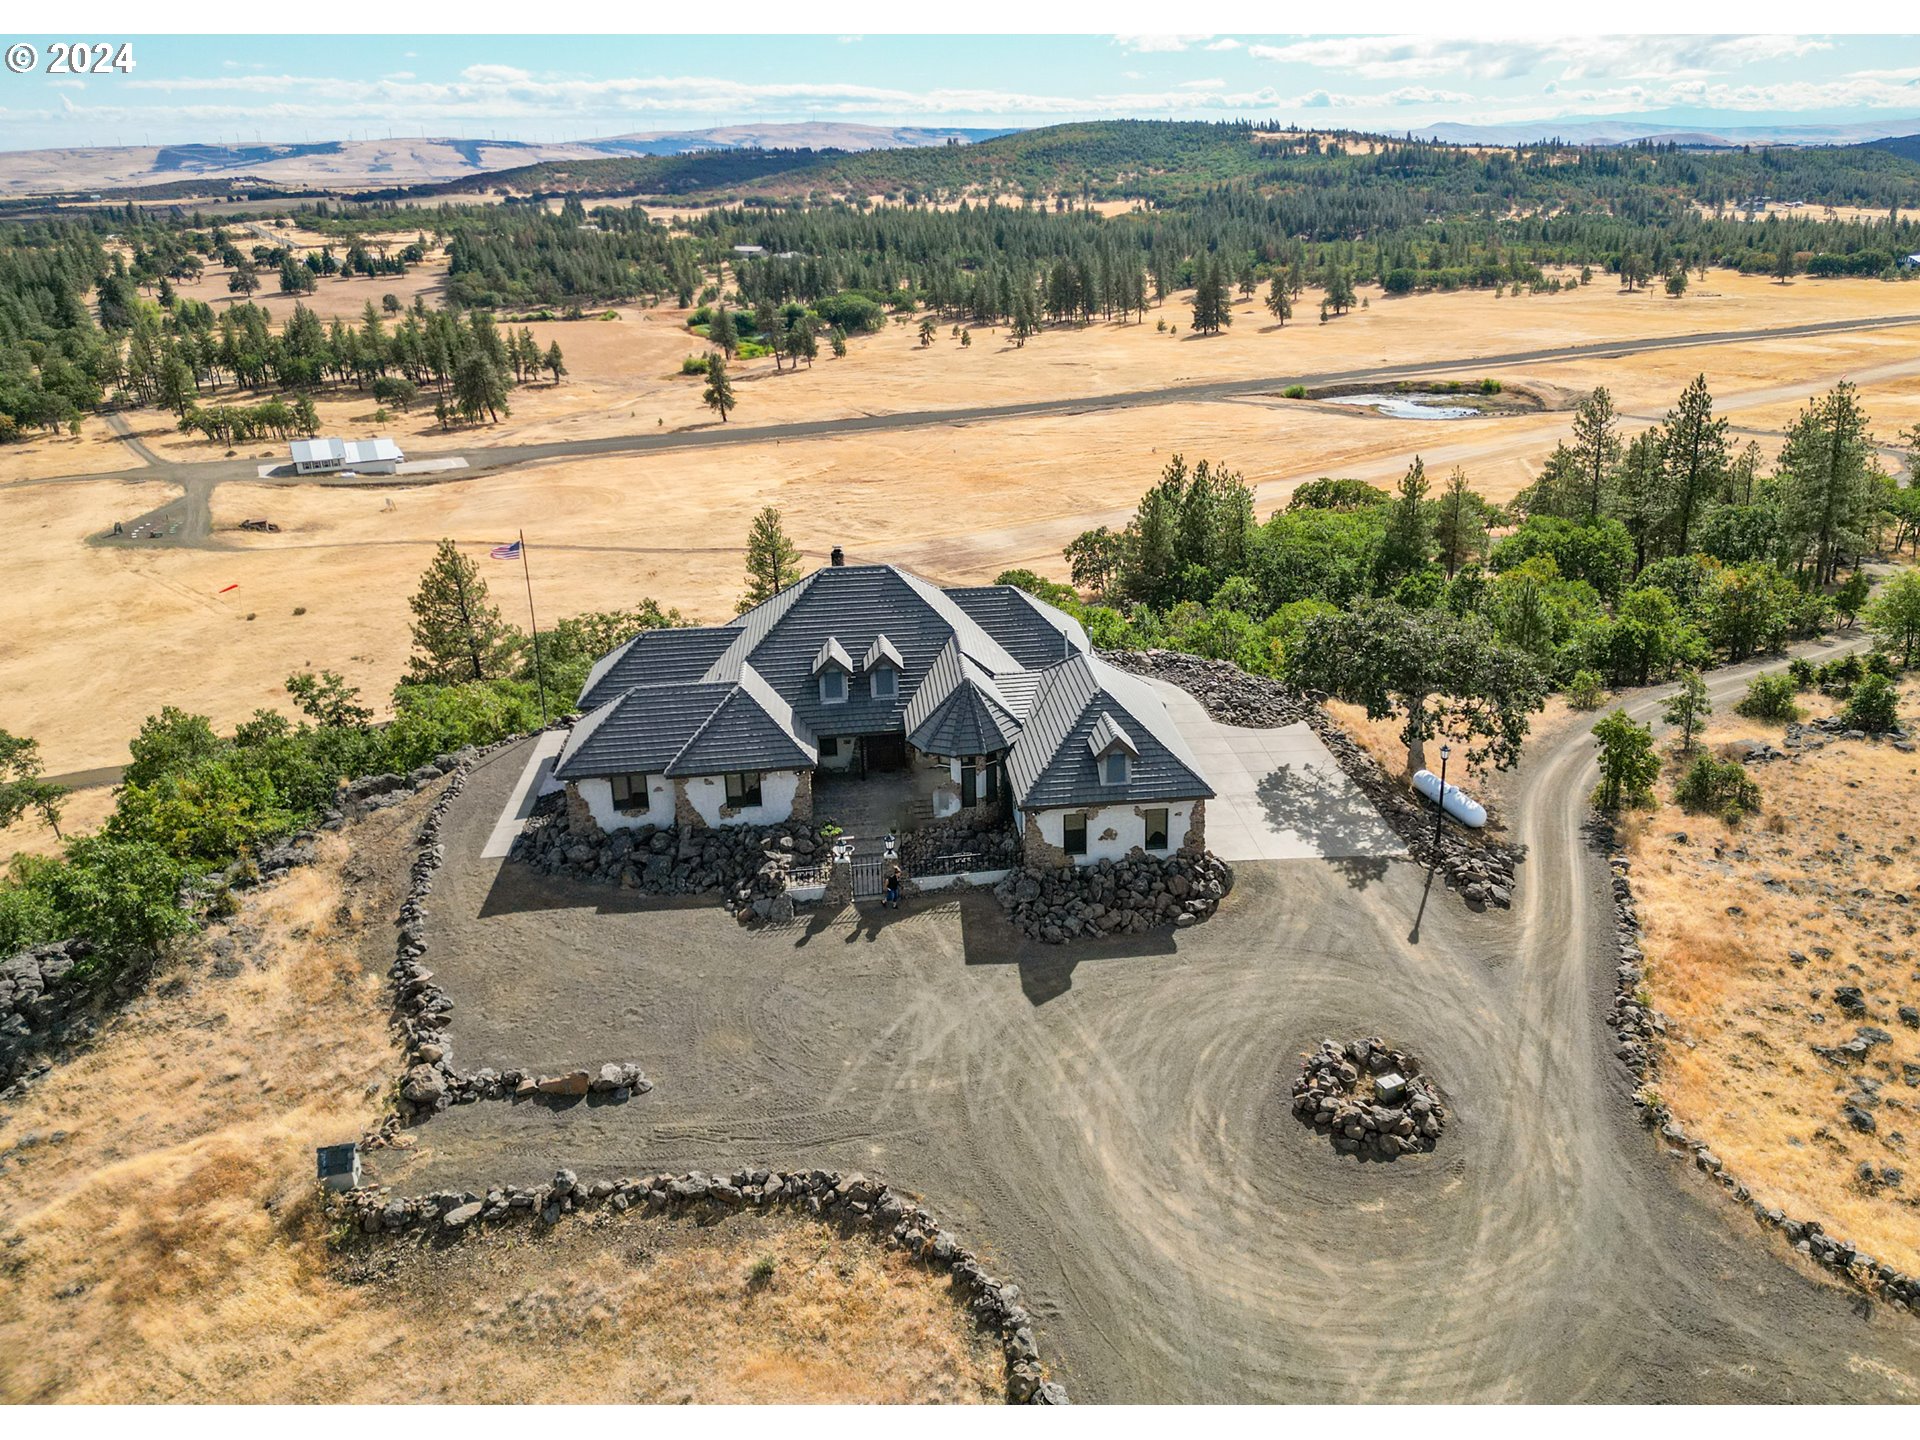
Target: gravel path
1111,1126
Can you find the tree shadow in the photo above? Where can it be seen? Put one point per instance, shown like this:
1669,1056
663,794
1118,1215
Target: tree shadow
987,937
1324,808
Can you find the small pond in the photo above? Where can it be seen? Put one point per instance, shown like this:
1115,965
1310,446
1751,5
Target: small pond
1412,405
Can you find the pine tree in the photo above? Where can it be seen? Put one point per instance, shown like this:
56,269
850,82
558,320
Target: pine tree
1278,305
1460,524
1827,470
554,363
721,331
1403,550
1696,459
478,384
772,562
719,392
458,634
1596,449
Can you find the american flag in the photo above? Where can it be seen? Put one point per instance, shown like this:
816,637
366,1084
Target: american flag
506,552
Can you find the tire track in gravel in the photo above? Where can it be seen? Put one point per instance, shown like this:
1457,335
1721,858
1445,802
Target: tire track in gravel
1111,1127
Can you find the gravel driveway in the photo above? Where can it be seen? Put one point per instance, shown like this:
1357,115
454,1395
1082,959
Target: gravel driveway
1110,1123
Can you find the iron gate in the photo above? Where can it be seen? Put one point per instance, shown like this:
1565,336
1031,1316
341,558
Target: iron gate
869,878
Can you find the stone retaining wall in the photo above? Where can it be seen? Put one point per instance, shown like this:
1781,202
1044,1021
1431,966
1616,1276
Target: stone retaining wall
423,1011
858,1204
1641,1029
1479,868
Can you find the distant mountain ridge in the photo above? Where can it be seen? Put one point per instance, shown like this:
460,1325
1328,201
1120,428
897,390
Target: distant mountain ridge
1627,130
350,164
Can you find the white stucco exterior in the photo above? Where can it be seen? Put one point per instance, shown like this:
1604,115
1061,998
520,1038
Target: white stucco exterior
707,794
598,793
1113,830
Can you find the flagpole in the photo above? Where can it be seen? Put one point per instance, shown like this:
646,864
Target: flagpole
539,676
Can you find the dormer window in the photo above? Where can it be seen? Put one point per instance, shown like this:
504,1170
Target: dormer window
832,666
1113,751
883,665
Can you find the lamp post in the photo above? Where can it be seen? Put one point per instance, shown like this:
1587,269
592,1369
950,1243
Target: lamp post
1440,801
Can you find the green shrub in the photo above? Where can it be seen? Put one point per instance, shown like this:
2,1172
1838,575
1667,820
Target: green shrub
1490,387
1769,697
694,365
1838,676
431,720
1874,705
1585,691
1718,787
1292,392
1804,674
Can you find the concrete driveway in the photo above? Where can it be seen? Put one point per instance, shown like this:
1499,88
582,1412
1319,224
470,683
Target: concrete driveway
1280,793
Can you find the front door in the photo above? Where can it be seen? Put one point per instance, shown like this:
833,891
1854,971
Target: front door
885,752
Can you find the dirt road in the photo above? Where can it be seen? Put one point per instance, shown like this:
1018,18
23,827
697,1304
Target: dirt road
197,479
1112,1125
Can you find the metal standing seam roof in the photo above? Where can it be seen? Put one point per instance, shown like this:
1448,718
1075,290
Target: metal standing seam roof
1053,766
960,710
364,452
1107,735
307,452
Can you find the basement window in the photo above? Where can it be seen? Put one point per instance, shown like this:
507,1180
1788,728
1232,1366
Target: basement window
1073,834
630,794
1156,829
743,788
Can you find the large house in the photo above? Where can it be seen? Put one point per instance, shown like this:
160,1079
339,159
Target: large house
991,696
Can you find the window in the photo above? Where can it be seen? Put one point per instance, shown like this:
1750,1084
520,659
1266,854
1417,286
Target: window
886,682
630,794
833,687
829,746
1156,829
1073,834
1114,764
743,788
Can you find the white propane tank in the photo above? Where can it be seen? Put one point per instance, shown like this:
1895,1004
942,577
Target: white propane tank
1468,812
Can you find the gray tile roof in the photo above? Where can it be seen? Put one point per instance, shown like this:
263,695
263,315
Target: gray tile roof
681,655
1052,765
1033,632
679,729
981,670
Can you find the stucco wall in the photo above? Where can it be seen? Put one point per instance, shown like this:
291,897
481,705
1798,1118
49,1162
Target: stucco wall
598,795
1112,830
707,794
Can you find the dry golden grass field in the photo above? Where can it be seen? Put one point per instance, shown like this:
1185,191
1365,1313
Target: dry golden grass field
100,638
1724,914
160,1238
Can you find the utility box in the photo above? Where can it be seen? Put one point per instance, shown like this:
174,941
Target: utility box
339,1166
1390,1087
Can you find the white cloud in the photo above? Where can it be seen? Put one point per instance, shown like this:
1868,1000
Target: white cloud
1203,84
1157,44
1396,57
497,74
1225,42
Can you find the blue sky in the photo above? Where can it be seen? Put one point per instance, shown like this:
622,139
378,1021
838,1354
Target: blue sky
289,88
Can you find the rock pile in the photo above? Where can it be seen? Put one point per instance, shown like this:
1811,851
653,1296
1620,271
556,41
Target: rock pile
43,1006
854,1201
1641,1028
1369,1100
969,833
746,864
1114,897
423,1011
1481,869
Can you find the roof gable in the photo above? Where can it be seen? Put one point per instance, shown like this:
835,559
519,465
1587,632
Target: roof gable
1055,763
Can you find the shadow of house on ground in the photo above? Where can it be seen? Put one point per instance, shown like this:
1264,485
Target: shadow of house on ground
1046,971
1336,819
